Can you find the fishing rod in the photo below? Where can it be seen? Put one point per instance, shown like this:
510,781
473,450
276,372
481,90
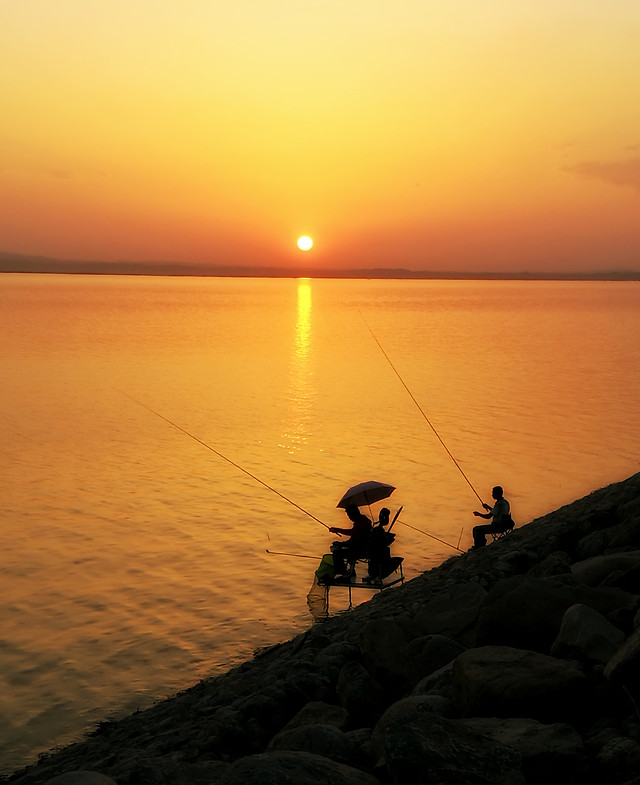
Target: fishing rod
395,518
420,409
224,458
295,555
433,537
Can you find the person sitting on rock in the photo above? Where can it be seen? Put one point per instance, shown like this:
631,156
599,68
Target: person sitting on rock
357,544
501,514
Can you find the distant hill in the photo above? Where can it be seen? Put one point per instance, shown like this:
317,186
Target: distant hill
21,263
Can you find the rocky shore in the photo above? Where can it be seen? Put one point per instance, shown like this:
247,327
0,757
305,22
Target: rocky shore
517,664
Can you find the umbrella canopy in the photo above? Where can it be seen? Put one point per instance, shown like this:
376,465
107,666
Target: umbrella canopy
366,493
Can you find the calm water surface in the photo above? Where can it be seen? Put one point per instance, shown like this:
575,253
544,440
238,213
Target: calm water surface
134,558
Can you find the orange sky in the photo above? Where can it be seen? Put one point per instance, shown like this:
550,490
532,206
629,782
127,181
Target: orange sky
500,135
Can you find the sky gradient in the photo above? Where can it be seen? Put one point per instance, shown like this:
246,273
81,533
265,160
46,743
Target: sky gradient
500,135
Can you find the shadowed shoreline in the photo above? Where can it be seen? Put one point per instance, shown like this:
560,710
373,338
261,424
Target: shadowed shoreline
517,663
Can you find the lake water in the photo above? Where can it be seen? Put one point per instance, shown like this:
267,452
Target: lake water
134,557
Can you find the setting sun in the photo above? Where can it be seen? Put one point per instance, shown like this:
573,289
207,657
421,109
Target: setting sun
305,243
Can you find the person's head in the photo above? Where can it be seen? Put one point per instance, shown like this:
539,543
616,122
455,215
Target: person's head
497,492
352,511
384,516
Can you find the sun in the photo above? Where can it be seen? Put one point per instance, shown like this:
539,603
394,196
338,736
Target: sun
305,243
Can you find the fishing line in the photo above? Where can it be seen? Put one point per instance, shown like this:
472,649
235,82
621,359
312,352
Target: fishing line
224,458
420,409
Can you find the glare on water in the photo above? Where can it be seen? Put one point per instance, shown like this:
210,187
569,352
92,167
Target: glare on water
135,552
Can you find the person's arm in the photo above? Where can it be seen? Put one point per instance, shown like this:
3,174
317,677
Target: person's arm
336,530
483,515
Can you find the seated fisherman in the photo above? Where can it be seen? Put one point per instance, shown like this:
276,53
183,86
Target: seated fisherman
380,562
501,514
357,544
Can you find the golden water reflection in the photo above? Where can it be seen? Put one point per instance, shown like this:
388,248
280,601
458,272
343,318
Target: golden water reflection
301,391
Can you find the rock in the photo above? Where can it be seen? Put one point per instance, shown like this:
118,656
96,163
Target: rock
166,771
326,740
319,712
452,612
81,778
437,683
549,753
293,768
499,681
526,612
383,644
416,746
585,634
428,654
593,571
556,563
359,693
624,667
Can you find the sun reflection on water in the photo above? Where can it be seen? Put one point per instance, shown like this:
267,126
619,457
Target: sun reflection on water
301,390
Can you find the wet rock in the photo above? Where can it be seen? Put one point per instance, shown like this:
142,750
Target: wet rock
499,681
549,753
418,747
293,768
586,635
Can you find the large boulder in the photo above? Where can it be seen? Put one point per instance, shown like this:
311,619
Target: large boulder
293,768
359,693
499,681
595,570
624,667
383,644
549,753
418,747
526,612
452,612
586,635
326,740
319,712
428,654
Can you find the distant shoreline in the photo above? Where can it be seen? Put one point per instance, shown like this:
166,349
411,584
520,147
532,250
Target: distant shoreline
21,264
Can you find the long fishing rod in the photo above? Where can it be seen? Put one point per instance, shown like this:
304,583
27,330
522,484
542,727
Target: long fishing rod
433,537
420,409
224,458
295,555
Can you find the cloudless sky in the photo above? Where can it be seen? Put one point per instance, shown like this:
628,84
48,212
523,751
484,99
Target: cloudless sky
454,135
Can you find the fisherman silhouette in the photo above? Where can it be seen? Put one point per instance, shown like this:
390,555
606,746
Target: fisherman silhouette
356,546
381,563
501,515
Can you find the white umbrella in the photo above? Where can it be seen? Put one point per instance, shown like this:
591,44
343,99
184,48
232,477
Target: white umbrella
366,493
